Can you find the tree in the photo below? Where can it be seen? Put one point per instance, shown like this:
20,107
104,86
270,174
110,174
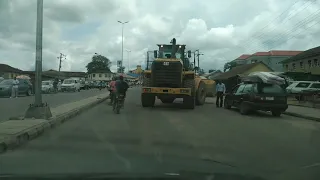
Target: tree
211,70
229,65
98,63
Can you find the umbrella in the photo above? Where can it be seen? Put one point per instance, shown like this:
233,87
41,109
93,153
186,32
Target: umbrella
23,77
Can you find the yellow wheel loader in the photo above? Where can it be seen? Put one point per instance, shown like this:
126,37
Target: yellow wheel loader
171,76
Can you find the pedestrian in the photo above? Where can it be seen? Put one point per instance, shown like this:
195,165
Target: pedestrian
15,88
220,90
59,86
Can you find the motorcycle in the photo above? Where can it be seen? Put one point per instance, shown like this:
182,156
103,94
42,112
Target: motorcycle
118,104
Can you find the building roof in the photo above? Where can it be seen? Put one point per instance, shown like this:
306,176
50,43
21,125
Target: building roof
277,53
237,70
213,74
305,54
7,68
244,56
133,75
284,53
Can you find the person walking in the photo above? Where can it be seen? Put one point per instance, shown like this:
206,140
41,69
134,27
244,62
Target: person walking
59,85
220,90
15,88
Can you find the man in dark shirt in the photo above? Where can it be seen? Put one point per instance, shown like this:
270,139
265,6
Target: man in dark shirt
121,86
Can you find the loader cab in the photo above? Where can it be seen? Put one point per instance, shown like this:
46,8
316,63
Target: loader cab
173,51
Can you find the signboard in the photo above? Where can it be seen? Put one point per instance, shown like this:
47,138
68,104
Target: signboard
119,63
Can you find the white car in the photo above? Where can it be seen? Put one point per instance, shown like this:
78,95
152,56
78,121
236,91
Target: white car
298,86
70,85
47,86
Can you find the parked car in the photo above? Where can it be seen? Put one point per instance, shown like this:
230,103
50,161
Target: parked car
47,87
298,86
70,85
255,96
24,87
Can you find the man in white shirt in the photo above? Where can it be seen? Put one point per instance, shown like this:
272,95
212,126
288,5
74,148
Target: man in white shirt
220,90
14,92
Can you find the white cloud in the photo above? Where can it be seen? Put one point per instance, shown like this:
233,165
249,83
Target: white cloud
222,30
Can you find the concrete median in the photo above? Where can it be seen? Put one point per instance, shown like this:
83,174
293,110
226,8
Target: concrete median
17,132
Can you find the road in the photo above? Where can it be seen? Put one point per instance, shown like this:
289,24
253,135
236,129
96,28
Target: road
17,107
169,139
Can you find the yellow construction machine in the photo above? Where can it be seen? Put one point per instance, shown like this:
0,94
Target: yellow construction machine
172,76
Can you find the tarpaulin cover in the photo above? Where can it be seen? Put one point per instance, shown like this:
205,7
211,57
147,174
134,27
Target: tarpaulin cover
268,78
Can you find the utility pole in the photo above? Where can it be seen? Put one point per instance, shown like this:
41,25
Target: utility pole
38,110
60,60
147,60
197,53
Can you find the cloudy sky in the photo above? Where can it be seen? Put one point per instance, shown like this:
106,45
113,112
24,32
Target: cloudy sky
222,30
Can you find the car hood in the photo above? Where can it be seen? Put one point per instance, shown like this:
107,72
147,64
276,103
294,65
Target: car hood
68,84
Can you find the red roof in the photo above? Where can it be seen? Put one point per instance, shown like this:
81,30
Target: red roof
261,54
277,53
284,53
244,56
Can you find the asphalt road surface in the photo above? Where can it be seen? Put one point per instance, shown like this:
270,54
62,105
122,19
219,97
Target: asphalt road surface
169,139
17,107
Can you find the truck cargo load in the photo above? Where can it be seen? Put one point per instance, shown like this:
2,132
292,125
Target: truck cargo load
268,78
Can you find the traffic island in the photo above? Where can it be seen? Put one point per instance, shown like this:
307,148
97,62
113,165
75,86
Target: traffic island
14,133
38,112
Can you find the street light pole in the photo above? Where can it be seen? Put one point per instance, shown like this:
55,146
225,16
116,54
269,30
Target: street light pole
38,110
128,51
122,23
39,30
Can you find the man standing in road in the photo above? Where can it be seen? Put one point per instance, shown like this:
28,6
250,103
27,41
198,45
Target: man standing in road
220,90
15,87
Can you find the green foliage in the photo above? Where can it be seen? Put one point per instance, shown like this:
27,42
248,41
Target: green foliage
98,63
229,65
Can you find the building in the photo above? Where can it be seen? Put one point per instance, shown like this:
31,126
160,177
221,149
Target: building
272,59
137,71
304,66
241,60
233,76
213,74
8,72
101,75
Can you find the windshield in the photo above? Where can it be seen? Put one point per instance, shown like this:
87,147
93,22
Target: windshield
68,81
185,112
270,89
6,82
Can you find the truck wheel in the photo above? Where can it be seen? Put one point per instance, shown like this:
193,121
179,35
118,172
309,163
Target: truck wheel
147,82
147,100
189,102
167,100
201,94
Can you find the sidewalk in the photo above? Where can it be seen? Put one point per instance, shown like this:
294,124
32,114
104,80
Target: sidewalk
296,111
303,112
16,132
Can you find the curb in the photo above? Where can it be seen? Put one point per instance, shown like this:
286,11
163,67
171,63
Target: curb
302,116
22,137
